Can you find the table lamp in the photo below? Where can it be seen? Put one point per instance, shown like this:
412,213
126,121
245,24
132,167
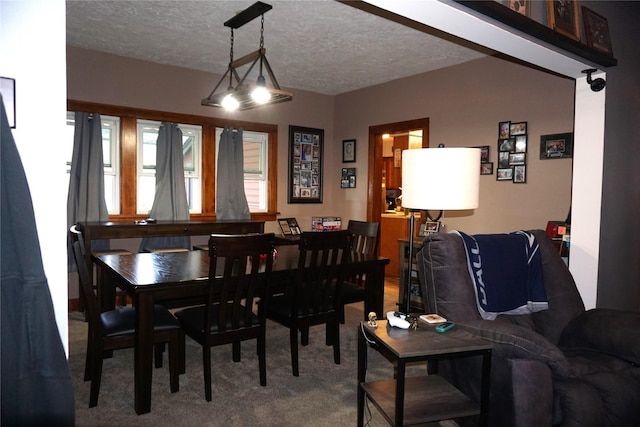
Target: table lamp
438,179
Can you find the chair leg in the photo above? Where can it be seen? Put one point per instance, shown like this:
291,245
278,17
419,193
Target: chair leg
88,361
158,354
183,355
336,341
262,360
304,335
174,361
235,349
96,376
206,363
293,338
342,314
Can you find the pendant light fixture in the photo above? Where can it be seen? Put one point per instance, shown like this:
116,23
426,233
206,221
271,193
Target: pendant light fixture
240,95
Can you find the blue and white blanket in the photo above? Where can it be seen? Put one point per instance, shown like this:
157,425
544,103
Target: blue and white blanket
506,271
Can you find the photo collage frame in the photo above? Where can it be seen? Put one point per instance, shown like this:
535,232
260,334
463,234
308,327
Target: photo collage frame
305,164
512,152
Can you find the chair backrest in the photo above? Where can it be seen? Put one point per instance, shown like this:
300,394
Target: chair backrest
364,236
446,284
84,278
318,284
239,273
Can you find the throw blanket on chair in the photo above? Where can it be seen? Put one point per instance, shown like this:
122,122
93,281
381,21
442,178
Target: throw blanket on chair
506,272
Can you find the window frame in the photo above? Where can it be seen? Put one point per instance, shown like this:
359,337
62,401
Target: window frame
128,156
195,174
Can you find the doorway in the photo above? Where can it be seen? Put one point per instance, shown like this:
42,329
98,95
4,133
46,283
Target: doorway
391,227
376,160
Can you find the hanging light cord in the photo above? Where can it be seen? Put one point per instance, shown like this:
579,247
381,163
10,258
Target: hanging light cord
261,41
231,62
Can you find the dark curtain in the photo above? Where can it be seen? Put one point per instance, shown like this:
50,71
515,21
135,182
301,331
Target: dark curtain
231,200
170,202
35,384
85,201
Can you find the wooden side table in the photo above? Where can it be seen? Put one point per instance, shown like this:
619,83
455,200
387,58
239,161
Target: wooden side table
422,399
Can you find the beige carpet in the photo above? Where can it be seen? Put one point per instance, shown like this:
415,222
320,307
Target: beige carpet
323,395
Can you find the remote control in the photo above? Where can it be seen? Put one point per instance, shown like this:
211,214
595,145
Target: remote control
397,320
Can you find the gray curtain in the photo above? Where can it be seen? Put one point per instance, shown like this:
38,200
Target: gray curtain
170,202
85,201
36,386
231,200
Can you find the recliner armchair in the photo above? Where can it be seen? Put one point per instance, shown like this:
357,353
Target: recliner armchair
563,366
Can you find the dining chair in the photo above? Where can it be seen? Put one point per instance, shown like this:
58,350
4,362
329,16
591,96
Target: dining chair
115,330
365,241
313,297
121,296
239,270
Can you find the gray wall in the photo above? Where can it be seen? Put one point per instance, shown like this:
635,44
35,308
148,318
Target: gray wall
619,269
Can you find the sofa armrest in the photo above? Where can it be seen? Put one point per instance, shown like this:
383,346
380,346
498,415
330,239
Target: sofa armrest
515,342
613,332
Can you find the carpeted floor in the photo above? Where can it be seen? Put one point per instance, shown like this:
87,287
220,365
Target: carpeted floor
323,395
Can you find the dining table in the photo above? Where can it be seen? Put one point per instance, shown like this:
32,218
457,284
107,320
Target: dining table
181,278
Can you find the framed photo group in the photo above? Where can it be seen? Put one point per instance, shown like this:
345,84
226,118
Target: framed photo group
486,167
512,152
305,164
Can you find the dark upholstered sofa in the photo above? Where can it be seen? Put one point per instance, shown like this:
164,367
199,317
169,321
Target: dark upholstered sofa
563,366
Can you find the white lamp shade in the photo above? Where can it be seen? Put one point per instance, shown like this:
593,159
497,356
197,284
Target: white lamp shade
440,178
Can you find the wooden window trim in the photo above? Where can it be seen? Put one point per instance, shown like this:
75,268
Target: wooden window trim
128,155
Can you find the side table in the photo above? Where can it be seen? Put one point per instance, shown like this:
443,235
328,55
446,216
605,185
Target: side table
420,399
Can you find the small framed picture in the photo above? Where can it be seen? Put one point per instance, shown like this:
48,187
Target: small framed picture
348,179
596,31
556,146
519,128
349,151
503,129
504,174
563,16
428,227
484,153
520,174
503,159
486,168
521,143
517,159
508,144
523,7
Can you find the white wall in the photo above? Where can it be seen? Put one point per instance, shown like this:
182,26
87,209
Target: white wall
32,42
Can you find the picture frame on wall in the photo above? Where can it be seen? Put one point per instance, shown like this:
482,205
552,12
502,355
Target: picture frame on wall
521,144
503,129
556,146
486,168
428,227
523,7
517,128
504,174
596,31
348,179
519,174
484,153
305,164
517,159
349,151
563,17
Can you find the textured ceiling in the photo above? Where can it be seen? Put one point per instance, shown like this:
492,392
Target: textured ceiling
318,45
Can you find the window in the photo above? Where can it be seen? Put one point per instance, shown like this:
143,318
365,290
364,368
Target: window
147,136
110,157
256,161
